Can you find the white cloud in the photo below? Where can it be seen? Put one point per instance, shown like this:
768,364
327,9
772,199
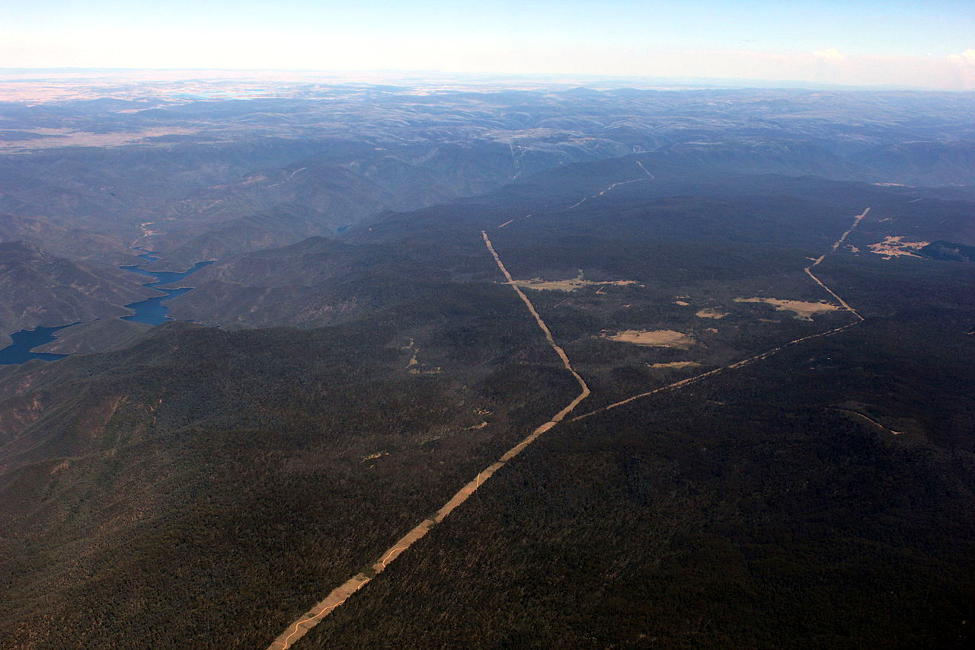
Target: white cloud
311,50
964,68
830,55
965,58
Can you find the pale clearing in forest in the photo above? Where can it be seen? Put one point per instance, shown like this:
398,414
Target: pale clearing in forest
654,338
710,313
897,247
802,310
764,355
414,367
576,283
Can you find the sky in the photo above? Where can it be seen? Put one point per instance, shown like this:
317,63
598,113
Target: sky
928,44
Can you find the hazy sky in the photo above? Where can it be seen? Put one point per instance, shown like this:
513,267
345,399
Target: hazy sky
927,44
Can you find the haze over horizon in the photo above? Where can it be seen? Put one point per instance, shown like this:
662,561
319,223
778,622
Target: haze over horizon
826,43
513,324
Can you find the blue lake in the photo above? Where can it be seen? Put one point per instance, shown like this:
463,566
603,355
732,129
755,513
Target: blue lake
25,340
146,254
153,311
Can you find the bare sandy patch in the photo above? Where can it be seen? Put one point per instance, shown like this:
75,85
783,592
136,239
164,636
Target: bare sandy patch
711,313
802,310
60,467
653,338
675,364
576,283
414,367
892,247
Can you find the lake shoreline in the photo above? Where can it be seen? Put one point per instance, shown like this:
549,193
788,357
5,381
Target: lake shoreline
150,311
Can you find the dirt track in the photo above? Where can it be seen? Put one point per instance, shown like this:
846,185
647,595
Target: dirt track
341,593
649,177
764,355
856,222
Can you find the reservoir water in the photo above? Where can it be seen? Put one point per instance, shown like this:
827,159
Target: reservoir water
146,254
25,340
153,311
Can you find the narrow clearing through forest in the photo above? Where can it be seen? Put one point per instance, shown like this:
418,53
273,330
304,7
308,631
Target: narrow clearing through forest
764,355
340,594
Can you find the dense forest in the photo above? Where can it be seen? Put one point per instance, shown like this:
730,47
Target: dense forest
203,484
755,510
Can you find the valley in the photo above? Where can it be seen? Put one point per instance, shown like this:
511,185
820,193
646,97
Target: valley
482,367
152,311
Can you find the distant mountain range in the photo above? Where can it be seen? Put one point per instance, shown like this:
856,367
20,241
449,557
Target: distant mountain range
767,295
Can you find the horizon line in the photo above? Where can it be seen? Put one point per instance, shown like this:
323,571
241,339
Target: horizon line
724,83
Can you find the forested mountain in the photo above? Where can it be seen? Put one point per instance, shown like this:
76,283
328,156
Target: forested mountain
712,349
41,289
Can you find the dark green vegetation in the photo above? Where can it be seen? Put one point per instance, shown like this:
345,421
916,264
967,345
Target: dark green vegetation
747,512
191,486
946,250
195,490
